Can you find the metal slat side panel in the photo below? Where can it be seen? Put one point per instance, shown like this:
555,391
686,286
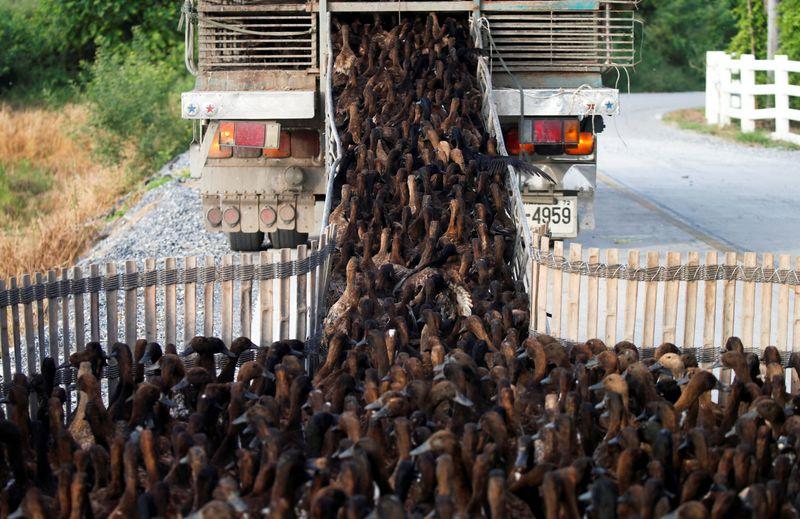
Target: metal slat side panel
592,40
235,37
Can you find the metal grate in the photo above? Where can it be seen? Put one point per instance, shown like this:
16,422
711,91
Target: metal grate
563,40
236,36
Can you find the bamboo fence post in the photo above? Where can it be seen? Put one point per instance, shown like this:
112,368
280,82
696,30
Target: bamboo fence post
796,331
593,288
301,281
131,310
94,305
710,304
768,263
65,331
150,311
283,297
748,301
39,294
541,300
574,293
631,298
226,300
77,301
690,321
4,338
15,329
612,299
312,290
533,272
671,293
52,316
782,342
208,303
189,300
265,301
170,303
112,322
558,292
246,298
30,335
650,302
729,299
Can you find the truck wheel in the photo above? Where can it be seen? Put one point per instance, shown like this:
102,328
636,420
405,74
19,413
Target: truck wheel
287,239
246,241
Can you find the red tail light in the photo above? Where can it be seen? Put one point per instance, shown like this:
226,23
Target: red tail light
513,146
548,131
219,152
250,135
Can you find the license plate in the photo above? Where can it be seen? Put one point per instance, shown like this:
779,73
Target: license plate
561,216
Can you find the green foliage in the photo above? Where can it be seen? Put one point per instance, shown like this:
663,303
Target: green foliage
790,28
29,48
135,98
676,36
87,25
21,187
751,25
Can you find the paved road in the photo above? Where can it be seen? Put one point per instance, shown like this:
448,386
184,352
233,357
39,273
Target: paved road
668,189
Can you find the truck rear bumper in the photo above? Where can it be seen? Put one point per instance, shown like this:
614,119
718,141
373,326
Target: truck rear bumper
573,180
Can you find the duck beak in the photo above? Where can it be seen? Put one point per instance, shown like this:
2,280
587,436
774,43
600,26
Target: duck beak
181,385
184,460
732,433
228,353
17,514
439,376
656,367
522,355
723,387
546,380
254,443
167,402
422,449
113,355
377,404
614,440
462,400
751,414
586,497
248,430
188,351
600,405
250,395
597,387
242,419
145,358
347,453
296,353
593,362
382,412
683,381
238,504
153,367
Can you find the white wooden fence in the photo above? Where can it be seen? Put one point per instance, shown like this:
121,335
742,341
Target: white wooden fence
731,91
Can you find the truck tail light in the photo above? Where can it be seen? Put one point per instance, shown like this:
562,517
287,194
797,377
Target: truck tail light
283,150
214,216
219,152
305,144
572,130
227,134
513,146
585,145
250,135
548,131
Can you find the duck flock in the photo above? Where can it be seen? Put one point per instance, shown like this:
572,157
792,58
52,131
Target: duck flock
432,400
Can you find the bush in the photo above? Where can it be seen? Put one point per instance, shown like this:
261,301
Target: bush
135,99
676,36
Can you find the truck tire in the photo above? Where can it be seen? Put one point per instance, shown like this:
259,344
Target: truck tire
246,241
287,239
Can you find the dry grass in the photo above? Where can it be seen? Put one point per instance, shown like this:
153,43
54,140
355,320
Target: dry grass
694,119
65,217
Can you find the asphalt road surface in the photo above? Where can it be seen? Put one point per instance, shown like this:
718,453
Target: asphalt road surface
662,188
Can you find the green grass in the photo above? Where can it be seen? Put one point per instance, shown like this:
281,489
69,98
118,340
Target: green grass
22,188
160,181
693,119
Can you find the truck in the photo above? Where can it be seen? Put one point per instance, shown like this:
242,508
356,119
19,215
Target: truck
265,144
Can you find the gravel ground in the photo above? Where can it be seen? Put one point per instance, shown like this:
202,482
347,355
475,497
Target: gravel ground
165,222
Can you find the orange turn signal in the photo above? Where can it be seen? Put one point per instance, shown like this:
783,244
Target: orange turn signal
513,146
218,152
284,148
571,132
227,134
585,145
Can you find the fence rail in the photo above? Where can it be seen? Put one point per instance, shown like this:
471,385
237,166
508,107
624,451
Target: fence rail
273,295
655,298
732,90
